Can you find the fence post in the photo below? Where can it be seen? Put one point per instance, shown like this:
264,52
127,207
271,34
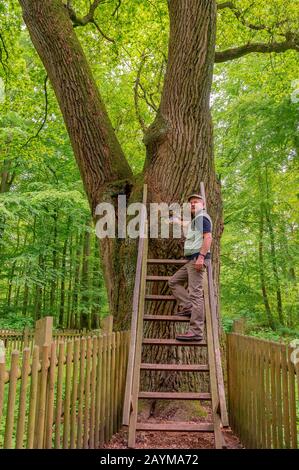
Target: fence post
107,324
43,333
239,326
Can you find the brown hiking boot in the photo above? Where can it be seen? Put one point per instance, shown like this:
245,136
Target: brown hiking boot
189,336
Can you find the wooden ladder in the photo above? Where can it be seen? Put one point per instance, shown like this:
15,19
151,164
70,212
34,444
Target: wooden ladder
213,368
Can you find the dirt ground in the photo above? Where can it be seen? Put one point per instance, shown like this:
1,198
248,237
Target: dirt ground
173,440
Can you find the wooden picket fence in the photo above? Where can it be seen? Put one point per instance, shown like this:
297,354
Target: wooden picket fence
14,339
67,394
263,390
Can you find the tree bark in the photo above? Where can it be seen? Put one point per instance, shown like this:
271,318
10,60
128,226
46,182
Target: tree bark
180,141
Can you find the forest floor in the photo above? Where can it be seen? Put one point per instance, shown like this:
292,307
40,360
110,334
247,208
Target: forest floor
172,440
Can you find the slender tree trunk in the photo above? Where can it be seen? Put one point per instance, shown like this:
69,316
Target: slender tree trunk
76,286
53,288
10,283
85,298
96,289
70,283
275,267
38,294
25,299
262,272
61,321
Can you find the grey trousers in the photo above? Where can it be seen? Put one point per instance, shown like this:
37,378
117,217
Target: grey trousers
192,300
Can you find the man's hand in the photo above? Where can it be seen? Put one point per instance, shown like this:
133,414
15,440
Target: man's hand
176,220
199,263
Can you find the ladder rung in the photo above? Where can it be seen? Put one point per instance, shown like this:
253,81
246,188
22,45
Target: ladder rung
167,261
159,297
158,278
172,342
178,426
166,318
175,395
182,367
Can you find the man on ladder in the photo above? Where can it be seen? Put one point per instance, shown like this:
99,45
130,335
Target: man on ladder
197,252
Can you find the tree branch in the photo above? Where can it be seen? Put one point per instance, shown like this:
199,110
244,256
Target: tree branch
3,60
136,96
236,52
117,8
44,118
221,6
102,32
240,15
89,18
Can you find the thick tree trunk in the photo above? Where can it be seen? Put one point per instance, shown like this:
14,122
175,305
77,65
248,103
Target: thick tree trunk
180,152
180,142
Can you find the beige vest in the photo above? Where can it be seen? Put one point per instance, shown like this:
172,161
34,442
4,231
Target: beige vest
194,238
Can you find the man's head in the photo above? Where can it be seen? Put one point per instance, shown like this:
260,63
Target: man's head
196,202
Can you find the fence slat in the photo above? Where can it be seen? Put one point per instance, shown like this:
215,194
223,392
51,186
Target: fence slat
73,430
278,396
113,424
108,388
2,378
67,397
42,389
292,395
22,403
50,398
117,373
11,400
81,393
99,400
87,395
33,398
58,411
103,391
93,391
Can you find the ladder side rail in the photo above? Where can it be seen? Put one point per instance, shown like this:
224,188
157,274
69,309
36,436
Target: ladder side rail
134,319
212,367
138,351
215,330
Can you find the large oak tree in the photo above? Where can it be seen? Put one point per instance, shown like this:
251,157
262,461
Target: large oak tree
179,142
